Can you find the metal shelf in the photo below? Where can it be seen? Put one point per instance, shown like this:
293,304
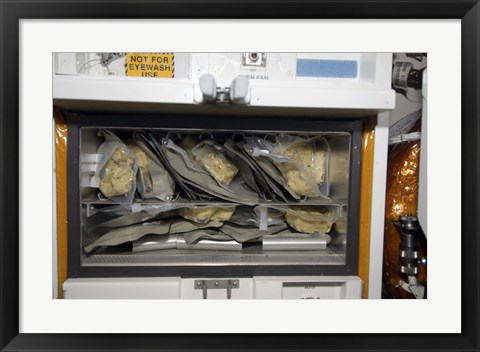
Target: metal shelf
217,202
173,257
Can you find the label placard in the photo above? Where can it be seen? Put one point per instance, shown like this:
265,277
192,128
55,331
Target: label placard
400,74
159,65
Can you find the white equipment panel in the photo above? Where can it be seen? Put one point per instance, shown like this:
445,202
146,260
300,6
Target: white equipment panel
296,287
305,80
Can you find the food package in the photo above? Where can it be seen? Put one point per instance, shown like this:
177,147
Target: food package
296,179
118,175
311,156
307,169
301,161
207,213
210,234
244,165
236,191
132,233
268,187
311,219
274,173
196,240
172,142
245,234
153,181
213,158
156,144
144,173
188,143
209,244
115,216
248,216
116,172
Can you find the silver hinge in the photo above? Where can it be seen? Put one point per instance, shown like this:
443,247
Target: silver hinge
216,284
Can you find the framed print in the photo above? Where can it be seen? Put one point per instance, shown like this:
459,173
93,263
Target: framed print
152,135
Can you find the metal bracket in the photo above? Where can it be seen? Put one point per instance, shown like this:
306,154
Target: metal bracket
223,95
216,284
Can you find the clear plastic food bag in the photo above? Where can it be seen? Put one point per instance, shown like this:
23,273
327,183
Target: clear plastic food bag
153,181
311,219
273,171
311,153
155,141
116,172
302,162
178,159
243,164
260,216
203,214
251,173
214,159
144,179
188,143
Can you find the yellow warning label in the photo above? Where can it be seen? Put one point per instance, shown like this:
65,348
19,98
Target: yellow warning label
159,65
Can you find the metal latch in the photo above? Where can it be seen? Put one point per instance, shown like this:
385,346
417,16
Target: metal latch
216,284
238,92
223,95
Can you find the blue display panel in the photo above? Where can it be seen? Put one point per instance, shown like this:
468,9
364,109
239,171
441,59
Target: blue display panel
327,68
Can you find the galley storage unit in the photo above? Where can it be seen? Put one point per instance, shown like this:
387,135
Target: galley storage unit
198,173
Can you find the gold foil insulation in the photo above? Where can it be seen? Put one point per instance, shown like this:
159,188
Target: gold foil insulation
61,195
401,199
368,143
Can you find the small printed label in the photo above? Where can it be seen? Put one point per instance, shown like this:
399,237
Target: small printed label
253,77
158,65
89,162
400,74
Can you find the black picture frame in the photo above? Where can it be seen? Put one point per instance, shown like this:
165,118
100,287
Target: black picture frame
12,11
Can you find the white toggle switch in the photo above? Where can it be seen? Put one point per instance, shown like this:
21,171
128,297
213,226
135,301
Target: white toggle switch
240,90
208,87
